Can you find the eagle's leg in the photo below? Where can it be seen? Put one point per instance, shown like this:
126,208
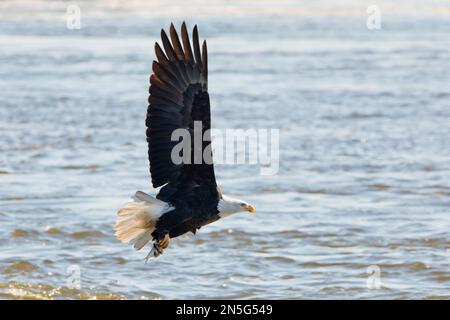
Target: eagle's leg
164,243
158,247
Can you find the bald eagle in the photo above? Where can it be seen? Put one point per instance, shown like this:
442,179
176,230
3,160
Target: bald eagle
189,197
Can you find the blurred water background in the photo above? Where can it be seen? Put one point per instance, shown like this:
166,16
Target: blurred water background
364,179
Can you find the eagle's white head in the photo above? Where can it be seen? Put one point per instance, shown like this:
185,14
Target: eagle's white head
228,206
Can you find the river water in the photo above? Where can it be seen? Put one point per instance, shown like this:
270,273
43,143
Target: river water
360,207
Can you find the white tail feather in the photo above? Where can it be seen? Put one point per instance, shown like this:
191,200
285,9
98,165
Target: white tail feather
145,197
137,219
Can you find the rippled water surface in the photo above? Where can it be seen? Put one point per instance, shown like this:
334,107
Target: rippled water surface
364,179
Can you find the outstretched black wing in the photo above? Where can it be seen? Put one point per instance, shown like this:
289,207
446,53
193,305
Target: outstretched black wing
178,98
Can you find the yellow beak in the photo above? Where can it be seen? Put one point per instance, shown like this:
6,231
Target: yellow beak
251,209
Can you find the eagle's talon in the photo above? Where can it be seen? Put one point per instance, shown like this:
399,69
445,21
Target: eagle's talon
155,252
158,249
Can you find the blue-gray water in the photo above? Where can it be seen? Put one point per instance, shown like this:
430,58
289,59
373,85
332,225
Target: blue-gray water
364,180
